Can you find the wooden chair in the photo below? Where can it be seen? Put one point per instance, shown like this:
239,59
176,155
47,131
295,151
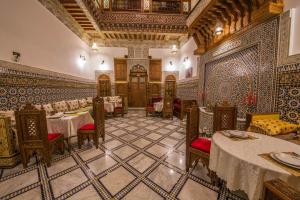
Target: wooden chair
96,129
225,117
196,147
33,136
168,107
279,190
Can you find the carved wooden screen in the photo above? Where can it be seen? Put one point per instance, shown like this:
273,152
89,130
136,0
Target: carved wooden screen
120,70
104,86
155,70
170,86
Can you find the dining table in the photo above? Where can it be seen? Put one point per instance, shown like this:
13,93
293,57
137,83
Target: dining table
158,106
68,123
243,168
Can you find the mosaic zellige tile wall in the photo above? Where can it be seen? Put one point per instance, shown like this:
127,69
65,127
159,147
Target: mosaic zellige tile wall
20,84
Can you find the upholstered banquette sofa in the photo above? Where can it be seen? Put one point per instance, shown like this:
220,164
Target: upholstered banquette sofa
271,124
180,107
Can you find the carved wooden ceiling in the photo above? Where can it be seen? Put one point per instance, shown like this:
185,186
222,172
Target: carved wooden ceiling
218,19
91,22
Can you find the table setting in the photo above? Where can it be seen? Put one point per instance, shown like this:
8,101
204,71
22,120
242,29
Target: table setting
245,160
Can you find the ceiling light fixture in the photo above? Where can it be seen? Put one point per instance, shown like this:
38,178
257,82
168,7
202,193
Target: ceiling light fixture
174,49
219,30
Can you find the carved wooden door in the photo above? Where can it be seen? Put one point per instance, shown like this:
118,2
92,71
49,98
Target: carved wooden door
137,87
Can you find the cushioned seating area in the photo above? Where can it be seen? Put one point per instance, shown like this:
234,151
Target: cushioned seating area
52,136
88,127
202,144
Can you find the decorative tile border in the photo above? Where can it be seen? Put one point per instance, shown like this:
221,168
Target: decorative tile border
21,84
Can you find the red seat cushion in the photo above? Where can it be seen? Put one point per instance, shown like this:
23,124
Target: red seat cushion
118,108
52,136
87,127
150,108
202,144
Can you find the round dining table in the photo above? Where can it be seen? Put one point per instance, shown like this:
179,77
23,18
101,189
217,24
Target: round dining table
240,165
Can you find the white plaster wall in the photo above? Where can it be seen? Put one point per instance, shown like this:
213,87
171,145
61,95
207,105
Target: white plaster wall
107,54
187,50
166,57
43,41
294,6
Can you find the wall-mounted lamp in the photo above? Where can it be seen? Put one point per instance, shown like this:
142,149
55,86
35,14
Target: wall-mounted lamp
82,58
171,63
102,62
16,56
185,59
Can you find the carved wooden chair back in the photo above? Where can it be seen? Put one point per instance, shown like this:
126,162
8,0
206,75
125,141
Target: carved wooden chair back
31,127
192,124
99,116
225,117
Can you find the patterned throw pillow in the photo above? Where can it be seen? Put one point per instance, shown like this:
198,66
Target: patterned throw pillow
39,107
275,126
48,108
82,103
60,106
73,105
89,100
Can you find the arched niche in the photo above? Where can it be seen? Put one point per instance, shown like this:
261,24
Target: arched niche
170,86
104,86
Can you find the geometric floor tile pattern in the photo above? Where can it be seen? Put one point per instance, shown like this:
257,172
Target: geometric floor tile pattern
142,158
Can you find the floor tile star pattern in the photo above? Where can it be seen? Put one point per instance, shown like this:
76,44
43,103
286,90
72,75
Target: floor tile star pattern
142,158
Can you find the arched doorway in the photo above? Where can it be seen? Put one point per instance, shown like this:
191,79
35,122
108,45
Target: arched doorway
138,78
104,86
170,86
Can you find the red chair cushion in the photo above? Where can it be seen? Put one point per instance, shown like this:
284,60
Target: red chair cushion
118,108
52,136
177,107
202,144
150,108
87,127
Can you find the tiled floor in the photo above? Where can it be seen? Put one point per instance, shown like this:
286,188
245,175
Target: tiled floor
142,158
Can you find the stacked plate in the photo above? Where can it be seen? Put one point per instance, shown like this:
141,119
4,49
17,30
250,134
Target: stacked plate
56,116
70,112
291,160
237,134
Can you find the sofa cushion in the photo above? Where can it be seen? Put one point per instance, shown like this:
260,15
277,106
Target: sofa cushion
202,144
60,106
89,100
82,103
73,105
48,108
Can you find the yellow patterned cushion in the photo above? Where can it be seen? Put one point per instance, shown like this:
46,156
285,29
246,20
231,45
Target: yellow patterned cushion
48,108
260,117
82,103
89,100
275,126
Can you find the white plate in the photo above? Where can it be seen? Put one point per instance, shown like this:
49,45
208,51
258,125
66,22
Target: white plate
287,158
280,161
239,134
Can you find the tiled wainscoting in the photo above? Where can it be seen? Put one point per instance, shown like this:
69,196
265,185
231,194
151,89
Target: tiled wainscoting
188,89
21,84
142,158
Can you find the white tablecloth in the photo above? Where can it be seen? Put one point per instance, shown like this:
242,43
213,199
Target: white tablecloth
109,107
68,125
238,163
158,106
